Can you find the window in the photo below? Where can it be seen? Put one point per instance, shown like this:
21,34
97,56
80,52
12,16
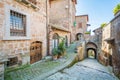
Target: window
55,40
12,61
17,24
79,25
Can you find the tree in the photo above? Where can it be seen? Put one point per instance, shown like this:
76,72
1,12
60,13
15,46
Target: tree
116,8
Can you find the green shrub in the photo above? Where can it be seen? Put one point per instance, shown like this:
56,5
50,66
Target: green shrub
61,47
116,8
103,25
55,51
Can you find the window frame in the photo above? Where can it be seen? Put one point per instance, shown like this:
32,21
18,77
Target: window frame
7,24
55,40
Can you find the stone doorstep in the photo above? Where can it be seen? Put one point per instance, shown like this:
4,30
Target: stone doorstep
43,76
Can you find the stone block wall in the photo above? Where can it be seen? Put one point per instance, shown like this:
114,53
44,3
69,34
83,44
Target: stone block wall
37,29
115,28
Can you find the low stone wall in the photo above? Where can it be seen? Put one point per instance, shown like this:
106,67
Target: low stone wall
81,51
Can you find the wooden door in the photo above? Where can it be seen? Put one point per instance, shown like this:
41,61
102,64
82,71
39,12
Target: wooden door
35,52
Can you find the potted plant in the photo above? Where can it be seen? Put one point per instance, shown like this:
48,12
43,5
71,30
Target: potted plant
55,53
61,48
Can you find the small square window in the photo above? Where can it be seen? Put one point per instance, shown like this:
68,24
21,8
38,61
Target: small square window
12,61
80,25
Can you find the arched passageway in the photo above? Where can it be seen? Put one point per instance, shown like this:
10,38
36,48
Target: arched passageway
91,50
91,53
79,36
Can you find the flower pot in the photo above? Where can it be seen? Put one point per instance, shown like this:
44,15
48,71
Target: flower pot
55,57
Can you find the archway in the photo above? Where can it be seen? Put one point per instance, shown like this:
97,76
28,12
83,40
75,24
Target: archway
91,50
91,53
79,36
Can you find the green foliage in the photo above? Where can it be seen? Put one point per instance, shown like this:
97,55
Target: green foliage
87,32
116,8
16,68
103,25
55,51
61,46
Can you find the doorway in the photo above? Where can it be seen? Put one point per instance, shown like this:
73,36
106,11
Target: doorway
35,52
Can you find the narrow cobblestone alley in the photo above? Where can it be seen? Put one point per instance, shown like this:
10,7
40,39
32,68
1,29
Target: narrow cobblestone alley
89,69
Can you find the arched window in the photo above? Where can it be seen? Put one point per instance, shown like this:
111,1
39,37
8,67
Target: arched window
55,40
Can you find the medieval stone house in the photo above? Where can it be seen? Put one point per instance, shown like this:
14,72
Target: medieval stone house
81,27
61,18
111,43
22,31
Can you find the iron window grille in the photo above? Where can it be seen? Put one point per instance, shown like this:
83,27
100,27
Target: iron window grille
17,24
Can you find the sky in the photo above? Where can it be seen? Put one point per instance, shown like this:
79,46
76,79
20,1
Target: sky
99,11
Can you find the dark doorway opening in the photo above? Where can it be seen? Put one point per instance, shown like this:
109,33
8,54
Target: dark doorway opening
91,53
79,36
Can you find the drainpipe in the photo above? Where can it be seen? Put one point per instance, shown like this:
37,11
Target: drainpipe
47,30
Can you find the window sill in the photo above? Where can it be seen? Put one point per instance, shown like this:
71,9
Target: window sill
16,38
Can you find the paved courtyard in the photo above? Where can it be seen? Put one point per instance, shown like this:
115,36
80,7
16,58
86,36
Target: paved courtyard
88,69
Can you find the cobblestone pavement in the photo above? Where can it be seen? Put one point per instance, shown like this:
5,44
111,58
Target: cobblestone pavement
88,69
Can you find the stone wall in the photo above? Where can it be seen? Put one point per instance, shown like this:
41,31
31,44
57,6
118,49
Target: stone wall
115,25
106,49
81,51
37,29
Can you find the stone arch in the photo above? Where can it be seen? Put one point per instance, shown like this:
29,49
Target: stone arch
79,36
91,46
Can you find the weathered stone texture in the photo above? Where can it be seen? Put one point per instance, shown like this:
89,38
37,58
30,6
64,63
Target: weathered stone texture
62,12
82,19
37,28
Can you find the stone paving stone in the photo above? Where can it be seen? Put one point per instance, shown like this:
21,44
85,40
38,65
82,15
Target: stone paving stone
43,69
84,71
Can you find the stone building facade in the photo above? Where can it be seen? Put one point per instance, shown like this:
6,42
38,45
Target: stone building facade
114,41
112,44
61,18
106,51
23,31
81,26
